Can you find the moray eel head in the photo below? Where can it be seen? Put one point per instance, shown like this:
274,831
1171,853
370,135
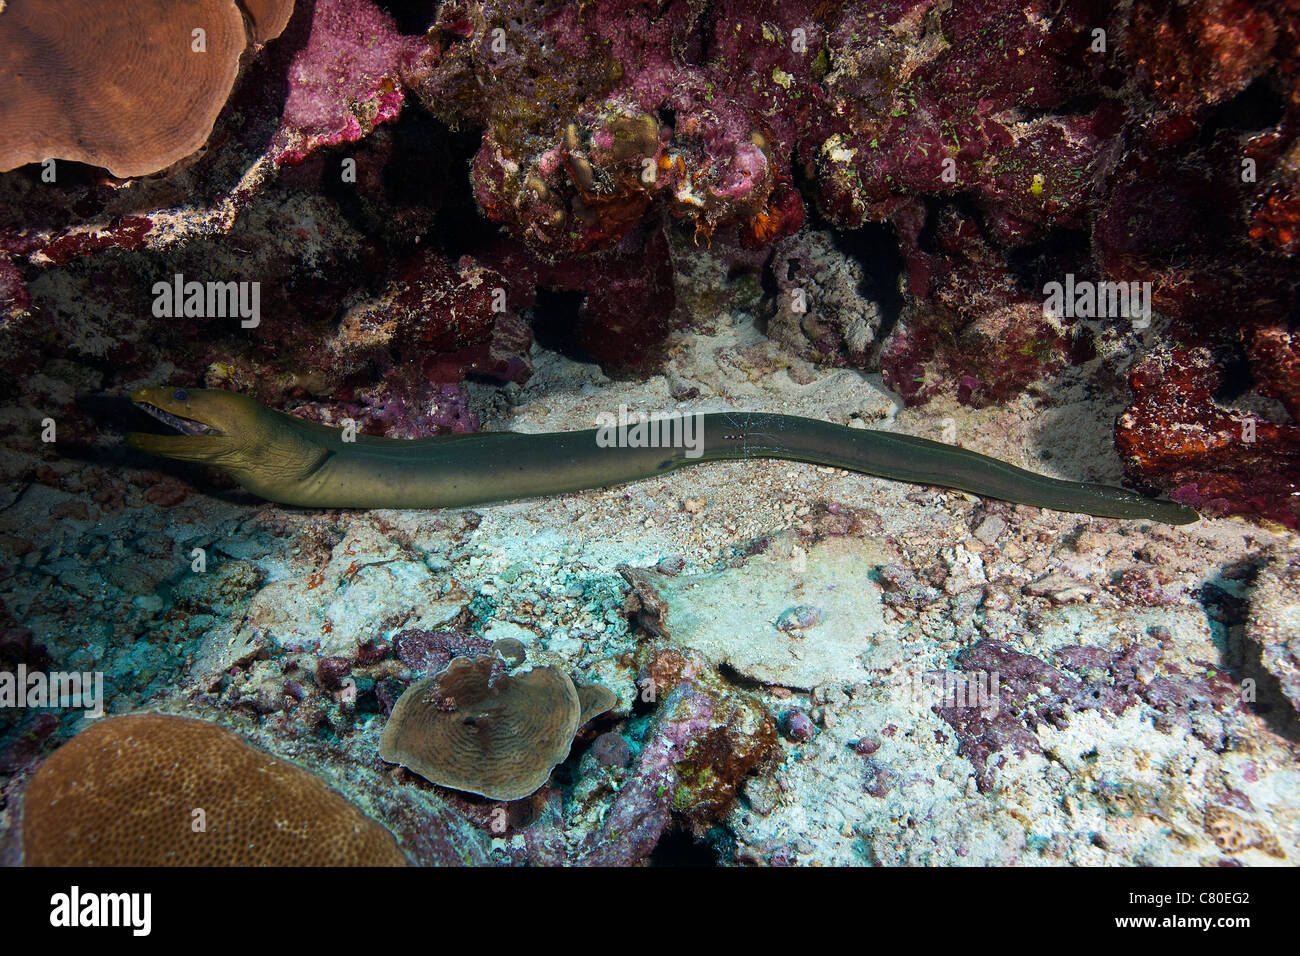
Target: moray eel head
209,422
264,451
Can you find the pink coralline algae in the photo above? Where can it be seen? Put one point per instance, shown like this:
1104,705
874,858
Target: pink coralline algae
1274,352
427,652
1031,691
1043,126
628,304
594,115
344,81
419,411
1192,55
643,808
966,100
976,327
600,134
797,725
332,671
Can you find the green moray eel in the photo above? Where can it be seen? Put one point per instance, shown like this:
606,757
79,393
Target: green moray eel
296,462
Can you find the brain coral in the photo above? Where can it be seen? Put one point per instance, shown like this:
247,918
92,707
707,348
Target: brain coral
128,791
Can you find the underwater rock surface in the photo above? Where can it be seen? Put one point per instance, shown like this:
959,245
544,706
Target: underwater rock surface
787,616
440,218
1126,729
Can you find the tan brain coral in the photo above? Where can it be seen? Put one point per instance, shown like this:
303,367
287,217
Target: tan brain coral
128,86
125,792
501,738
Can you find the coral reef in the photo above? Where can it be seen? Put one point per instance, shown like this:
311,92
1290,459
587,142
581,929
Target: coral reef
701,745
1000,147
821,313
517,215
979,329
442,321
575,152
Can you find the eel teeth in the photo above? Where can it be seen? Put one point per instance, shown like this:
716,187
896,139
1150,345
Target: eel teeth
186,426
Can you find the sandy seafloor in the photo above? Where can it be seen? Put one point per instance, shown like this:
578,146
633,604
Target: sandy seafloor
1191,775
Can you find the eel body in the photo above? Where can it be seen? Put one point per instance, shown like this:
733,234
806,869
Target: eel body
295,462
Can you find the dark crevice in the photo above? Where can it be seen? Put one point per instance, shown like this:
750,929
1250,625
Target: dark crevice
767,280
1235,376
874,246
677,848
699,47
426,166
1082,104
1227,602
555,323
1258,106
461,228
1059,252
413,17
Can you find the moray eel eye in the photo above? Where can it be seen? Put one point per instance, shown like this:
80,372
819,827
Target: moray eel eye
181,395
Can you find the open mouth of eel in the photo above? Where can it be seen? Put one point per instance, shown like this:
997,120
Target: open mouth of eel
186,426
